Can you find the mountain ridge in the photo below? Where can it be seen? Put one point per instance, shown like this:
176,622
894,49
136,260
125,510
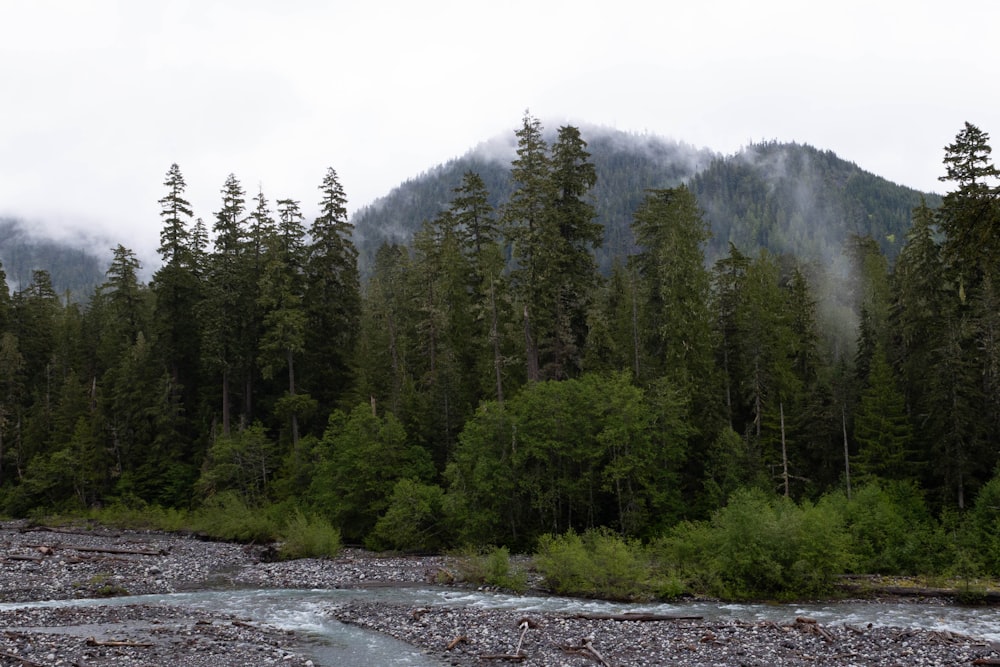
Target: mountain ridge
787,197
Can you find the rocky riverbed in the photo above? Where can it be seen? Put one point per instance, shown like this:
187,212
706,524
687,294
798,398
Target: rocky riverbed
46,564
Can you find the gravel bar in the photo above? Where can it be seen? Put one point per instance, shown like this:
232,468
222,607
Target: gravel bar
39,564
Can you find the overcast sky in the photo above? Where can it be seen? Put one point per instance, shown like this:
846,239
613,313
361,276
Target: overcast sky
98,98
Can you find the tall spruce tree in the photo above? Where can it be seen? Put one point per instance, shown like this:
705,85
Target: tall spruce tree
671,234
177,288
222,311
529,235
333,298
575,275
281,289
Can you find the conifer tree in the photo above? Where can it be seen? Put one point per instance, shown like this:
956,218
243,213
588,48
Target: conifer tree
222,309
281,288
671,234
881,427
333,298
529,234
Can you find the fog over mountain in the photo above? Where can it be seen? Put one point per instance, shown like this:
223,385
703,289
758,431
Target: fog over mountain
789,198
786,197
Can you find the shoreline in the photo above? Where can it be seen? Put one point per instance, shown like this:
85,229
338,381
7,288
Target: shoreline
60,564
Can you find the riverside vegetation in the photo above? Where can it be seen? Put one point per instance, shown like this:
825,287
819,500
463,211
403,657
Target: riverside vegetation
749,428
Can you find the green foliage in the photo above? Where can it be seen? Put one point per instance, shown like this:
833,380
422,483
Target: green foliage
308,536
579,453
490,566
982,528
600,563
760,546
227,516
242,463
891,530
361,457
413,521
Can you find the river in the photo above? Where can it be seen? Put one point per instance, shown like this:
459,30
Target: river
330,642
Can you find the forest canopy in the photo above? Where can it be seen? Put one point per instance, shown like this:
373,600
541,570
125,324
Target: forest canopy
491,380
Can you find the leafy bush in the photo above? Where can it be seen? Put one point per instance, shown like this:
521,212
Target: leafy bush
980,533
414,520
490,567
227,516
136,514
601,564
309,536
891,530
759,546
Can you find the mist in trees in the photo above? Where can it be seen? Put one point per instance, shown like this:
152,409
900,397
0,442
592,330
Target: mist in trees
487,383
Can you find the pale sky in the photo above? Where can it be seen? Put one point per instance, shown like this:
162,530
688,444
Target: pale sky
98,97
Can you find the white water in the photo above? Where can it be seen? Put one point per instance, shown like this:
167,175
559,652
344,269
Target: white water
333,643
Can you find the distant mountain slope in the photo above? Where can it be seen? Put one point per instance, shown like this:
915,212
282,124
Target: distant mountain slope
795,199
786,197
71,266
626,164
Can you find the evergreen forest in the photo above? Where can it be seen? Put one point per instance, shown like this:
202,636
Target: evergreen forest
498,378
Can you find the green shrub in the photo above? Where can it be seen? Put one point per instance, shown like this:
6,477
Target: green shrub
226,516
491,567
413,521
980,532
760,547
309,537
891,530
601,564
137,515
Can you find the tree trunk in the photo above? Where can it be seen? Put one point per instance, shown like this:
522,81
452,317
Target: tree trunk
225,403
784,449
291,392
495,338
635,326
531,349
847,456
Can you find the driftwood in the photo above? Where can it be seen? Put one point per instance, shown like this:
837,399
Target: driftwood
461,639
504,656
589,645
986,661
36,559
811,627
587,650
20,659
112,550
66,531
49,549
124,643
636,616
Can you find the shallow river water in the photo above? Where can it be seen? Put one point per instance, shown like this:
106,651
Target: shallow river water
333,643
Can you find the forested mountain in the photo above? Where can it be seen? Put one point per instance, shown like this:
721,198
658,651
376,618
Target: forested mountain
788,198
72,268
569,333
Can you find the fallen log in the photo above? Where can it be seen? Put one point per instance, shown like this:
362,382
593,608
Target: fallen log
20,659
589,645
504,656
118,643
35,559
118,551
636,616
48,549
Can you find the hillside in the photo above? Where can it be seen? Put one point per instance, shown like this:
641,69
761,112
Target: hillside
73,268
786,197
